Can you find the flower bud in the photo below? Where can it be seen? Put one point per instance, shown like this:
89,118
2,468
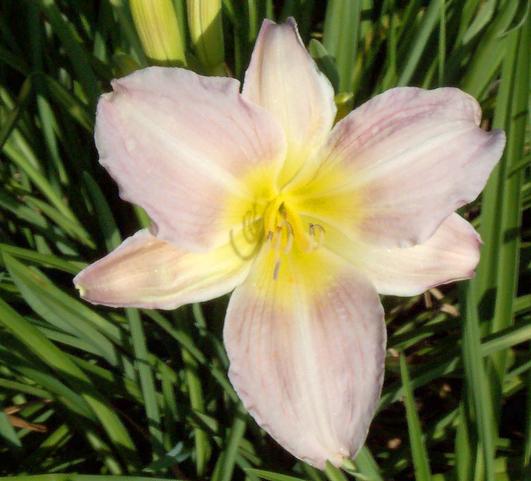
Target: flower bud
206,30
159,31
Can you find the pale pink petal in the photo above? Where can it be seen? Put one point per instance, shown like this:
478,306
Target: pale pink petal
451,254
283,78
181,145
407,158
151,273
306,344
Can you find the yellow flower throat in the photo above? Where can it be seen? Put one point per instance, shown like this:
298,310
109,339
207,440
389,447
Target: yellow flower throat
284,230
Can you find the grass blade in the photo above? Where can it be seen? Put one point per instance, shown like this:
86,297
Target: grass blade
478,388
340,38
416,438
57,360
147,381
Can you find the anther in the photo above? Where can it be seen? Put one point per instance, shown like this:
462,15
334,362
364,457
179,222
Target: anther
316,232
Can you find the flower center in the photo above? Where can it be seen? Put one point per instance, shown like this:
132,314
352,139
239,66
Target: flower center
284,230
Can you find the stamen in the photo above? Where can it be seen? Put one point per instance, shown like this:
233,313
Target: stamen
274,239
276,269
278,238
316,232
289,237
283,229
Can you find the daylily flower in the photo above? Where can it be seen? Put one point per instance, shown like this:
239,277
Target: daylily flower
307,222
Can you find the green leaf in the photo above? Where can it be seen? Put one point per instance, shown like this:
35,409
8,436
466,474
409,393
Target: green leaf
416,438
270,476
427,25
325,62
61,310
147,381
106,221
478,386
74,49
7,432
340,38
10,122
37,343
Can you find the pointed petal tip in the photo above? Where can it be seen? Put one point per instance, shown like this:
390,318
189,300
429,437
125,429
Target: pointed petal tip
90,294
338,457
283,78
147,272
84,287
435,131
311,379
450,255
289,22
80,288
266,23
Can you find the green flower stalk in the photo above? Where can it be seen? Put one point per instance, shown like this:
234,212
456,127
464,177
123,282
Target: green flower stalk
206,30
158,29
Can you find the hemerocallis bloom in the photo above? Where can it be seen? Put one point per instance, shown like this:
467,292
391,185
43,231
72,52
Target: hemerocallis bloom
257,192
